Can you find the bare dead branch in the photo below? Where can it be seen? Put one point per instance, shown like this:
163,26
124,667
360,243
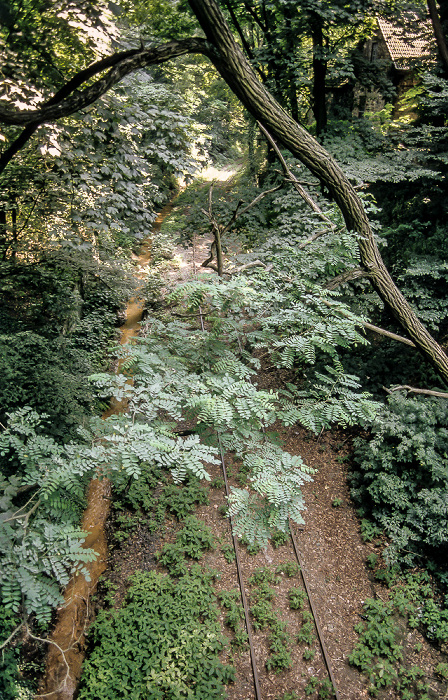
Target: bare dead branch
239,212
316,235
370,326
292,178
12,635
347,276
428,392
254,263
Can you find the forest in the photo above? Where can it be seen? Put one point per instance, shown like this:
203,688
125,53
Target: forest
223,230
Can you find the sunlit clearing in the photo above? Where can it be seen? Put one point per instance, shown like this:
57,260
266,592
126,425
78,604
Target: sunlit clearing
212,173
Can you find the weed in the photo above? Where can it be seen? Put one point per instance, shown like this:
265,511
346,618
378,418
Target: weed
308,654
252,548
326,690
279,640
337,502
289,568
442,671
162,615
369,530
125,524
223,510
297,597
228,553
279,538
311,686
172,556
288,696
235,614
378,654
306,634
192,541
217,483
195,537
372,560
180,501
263,575
264,616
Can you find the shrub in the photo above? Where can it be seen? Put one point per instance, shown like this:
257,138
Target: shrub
402,475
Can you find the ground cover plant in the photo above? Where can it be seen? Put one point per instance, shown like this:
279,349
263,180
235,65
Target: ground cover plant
179,639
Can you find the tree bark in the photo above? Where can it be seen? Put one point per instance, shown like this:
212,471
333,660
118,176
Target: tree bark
319,101
439,35
236,70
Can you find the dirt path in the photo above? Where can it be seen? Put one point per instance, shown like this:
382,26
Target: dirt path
67,641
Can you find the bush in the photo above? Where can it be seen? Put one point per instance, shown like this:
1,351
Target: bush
402,476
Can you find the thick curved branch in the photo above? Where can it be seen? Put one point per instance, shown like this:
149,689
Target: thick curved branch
73,102
345,277
64,92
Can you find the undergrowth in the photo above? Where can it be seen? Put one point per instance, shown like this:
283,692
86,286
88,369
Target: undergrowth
163,643
414,601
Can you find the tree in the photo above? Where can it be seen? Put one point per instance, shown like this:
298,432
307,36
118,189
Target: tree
228,58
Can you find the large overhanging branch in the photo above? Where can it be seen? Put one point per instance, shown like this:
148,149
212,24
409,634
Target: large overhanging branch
122,65
73,84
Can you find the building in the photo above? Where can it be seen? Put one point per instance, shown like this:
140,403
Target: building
400,52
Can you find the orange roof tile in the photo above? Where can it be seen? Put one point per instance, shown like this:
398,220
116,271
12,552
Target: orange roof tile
405,45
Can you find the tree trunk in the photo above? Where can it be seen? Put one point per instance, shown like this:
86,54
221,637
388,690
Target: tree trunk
319,75
439,35
236,70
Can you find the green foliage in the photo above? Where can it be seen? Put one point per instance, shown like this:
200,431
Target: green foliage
306,633
228,553
176,625
289,568
40,542
378,653
46,375
442,671
369,531
308,654
191,541
311,686
264,616
12,682
231,600
297,598
279,538
181,500
402,477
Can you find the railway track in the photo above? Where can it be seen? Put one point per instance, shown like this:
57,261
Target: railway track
325,655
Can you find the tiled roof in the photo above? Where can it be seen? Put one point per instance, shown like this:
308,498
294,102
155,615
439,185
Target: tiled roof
405,45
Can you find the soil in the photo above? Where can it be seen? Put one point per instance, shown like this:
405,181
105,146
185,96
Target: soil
332,553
